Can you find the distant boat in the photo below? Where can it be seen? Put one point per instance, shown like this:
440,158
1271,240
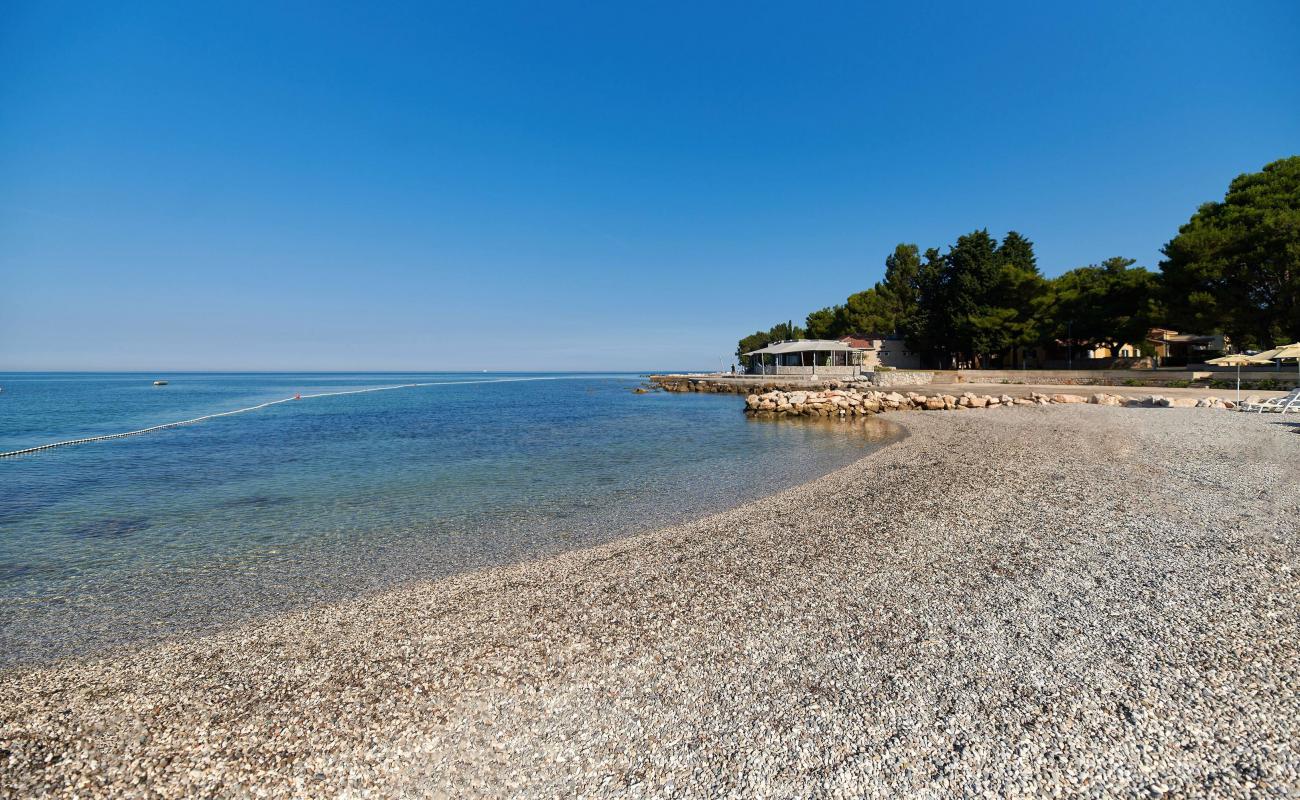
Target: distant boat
160,383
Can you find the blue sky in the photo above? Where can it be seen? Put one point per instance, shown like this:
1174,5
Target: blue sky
597,185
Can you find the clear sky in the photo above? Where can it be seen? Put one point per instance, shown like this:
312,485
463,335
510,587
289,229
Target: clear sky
598,185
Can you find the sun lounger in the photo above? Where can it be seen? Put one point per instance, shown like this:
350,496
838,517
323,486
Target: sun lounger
1286,403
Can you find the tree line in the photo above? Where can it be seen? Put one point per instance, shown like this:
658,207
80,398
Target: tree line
1233,268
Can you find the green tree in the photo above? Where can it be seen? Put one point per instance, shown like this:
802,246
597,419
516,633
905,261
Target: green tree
1018,252
885,306
826,323
868,312
780,332
973,269
1016,295
899,287
1110,304
928,328
748,344
1235,266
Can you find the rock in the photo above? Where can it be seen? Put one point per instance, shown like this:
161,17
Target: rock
933,404
1180,402
1067,398
1102,399
978,402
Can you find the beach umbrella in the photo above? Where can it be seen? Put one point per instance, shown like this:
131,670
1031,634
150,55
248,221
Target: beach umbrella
1237,360
1290,351
1285,351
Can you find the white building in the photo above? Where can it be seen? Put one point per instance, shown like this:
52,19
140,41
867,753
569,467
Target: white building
806,357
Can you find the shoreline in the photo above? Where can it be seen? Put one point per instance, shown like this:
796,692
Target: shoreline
324,573
984,596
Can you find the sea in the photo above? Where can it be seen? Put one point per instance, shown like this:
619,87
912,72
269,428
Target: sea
188,529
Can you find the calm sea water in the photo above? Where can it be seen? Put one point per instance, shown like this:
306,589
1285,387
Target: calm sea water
195,527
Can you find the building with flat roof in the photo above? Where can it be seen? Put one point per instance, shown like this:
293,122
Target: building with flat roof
883,350
806,357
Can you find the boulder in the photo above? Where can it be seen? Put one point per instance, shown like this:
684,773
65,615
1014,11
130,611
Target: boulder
1067,398
1180,402
978,402
933,404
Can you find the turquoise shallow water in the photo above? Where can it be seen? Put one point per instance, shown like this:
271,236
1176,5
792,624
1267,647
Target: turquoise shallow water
194,527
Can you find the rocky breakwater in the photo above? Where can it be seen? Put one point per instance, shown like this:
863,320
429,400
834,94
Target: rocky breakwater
853,402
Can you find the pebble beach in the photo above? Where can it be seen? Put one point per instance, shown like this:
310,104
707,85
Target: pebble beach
1066,600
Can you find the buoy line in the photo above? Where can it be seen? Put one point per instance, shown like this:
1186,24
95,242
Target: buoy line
260,406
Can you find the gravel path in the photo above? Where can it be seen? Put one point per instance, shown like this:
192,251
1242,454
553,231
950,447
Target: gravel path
1071,600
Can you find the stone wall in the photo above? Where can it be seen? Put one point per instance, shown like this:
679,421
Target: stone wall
853,403
813,372
1108,377
899,377
738,384
749,384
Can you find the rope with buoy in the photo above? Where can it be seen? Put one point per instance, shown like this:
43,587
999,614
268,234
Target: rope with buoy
258,407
